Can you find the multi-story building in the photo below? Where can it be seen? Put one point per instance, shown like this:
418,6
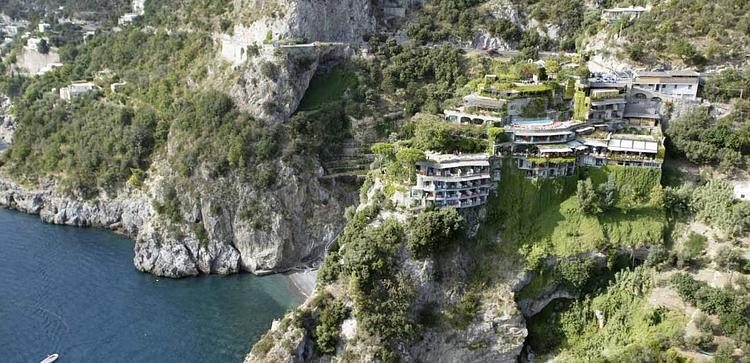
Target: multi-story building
457,181
610,119
607,104
680,84
497,103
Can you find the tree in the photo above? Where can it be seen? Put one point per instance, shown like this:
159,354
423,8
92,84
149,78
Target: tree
327,332
43,46
608,193
406,162
588,202
432,231
575,274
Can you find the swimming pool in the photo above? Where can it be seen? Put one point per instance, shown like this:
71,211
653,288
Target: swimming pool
533,121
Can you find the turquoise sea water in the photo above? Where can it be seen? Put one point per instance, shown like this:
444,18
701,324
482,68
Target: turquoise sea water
75,292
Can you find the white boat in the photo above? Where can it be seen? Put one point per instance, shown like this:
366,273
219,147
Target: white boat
50,358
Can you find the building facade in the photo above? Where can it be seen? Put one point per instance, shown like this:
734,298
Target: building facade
456,181
680,84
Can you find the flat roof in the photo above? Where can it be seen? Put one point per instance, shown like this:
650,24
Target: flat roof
683,73
448,160
595,142
576,145
484,101
541,133
633,145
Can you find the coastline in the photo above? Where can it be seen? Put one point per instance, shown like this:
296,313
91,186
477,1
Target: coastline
303,283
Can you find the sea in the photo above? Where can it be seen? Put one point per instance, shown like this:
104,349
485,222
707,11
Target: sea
75,292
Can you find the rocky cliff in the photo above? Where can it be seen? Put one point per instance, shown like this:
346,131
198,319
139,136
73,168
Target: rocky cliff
492,330
227,224
126,213
272,84
292,222
6,122
304,20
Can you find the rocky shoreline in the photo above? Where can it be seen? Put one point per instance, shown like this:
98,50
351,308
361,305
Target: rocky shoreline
156,248
122,215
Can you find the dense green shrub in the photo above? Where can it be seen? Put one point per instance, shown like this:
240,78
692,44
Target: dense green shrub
730,258
92,143
327,332
632,330
433,231
331,267
420,77
712,203
575,274
440,136
731,305
694,247
706,140
462,314
662,35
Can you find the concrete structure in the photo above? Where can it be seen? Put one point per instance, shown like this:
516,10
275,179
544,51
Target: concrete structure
127,19
621,126
117,86
631,12
233,50
460,117
681,84
44,27
88,35
76,89
607,109
455,181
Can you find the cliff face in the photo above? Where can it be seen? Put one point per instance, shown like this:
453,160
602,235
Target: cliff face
245,228
305,20
492,332
295,220
227,224
6,122
126,213
272,84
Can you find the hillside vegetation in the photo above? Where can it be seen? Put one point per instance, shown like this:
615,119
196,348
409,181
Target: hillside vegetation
715,32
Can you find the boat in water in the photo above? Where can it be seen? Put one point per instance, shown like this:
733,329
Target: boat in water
50,358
